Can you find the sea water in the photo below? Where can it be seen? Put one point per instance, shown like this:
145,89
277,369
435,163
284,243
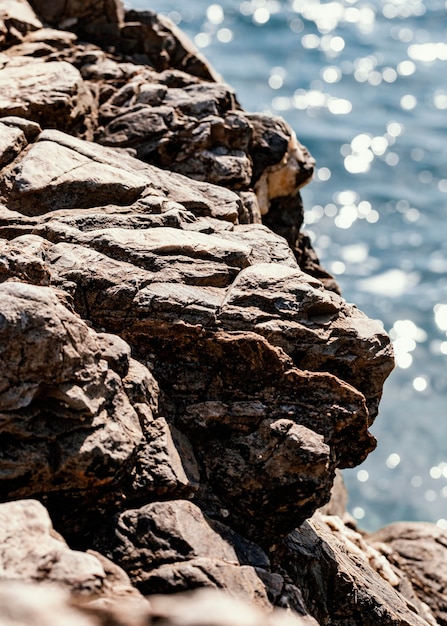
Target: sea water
364,85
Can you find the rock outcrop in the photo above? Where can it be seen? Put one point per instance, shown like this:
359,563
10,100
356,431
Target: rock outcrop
180,379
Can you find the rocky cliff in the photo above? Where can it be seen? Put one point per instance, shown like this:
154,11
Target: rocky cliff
180,379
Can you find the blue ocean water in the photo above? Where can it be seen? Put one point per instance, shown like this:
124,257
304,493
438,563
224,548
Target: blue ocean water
364,85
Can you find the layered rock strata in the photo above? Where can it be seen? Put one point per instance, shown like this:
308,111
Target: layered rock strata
179,378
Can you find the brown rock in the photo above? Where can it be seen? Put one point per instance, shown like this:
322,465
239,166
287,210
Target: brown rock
420,550
12,142
63,12
60,171
66,421
261,382
33,552
52,94
340,586
155,40
191,289
15,264
167,547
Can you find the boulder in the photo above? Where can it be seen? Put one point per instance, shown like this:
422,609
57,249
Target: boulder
66,421
168,547
32,552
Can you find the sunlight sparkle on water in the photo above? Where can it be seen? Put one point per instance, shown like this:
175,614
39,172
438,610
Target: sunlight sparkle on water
355,253
328,15
440,99
392,283
315,99
440,311
323,174
202,40
224,35
392,159
215,14
436,472
389,74
420,383
428,52
405,336
331,74
408,102
358,512
362,476
393,460
430,495
261,15
337,267
394,129
406,68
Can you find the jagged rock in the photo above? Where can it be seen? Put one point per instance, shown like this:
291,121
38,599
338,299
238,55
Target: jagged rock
345,583
66,421
16,19
63,12
168,547
18,265
175,383
228,325
60,171
12,141
52,94
420,551
156,40
171,117
32,552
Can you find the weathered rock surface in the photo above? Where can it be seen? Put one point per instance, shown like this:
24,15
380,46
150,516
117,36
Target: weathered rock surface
179,378
419,550
32,552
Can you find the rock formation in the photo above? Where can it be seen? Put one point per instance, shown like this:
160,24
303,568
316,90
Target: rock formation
180,379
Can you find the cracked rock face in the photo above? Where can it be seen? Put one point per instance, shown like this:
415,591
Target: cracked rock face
180,379
66,420
267,374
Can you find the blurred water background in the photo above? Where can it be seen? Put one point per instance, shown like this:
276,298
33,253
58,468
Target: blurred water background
364,85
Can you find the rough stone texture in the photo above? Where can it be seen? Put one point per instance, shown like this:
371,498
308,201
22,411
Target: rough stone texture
166,546
63,12
50,93
351,583
177,385
68,427
420,550
31,552
16,20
